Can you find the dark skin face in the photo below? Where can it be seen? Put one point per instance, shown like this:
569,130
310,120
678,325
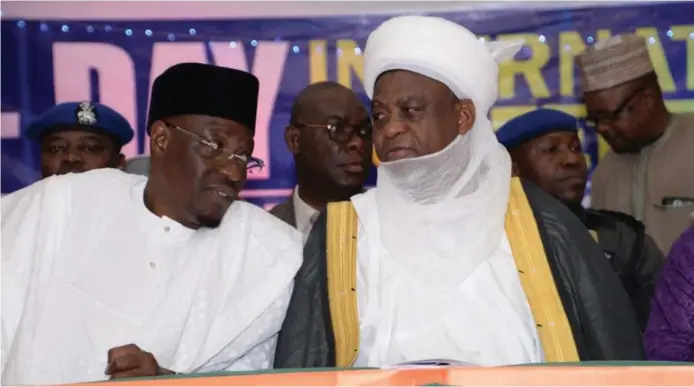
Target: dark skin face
189,182
330,166
76,150
555,162
628,116
414,115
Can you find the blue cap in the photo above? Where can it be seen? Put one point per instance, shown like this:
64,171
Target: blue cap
86,115
534,124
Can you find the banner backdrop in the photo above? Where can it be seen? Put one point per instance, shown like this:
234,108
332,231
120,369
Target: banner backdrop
115,62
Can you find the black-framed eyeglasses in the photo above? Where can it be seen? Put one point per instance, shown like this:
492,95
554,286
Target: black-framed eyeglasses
342,132
615,114
214,151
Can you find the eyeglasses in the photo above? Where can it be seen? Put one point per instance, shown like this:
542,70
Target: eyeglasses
614,115
213,151
342,132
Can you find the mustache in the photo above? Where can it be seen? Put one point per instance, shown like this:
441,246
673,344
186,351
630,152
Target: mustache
233,188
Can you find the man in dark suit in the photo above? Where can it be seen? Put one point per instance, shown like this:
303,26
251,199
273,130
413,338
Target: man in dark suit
329,135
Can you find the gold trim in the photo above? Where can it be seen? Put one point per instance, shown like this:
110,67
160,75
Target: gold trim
536,277
529,254
341,255
594,234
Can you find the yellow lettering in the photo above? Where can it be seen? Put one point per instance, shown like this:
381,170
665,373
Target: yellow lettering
680,105
658,58
318,68
684,33
530,68
349,60
603,34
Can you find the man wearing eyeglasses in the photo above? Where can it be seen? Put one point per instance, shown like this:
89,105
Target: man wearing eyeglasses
108,274
649,173
329,135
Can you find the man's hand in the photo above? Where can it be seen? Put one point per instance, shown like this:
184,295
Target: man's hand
129,361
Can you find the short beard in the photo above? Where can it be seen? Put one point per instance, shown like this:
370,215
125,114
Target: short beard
207,222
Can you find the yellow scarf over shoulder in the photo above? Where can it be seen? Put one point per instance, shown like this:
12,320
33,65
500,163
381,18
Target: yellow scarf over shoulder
528,251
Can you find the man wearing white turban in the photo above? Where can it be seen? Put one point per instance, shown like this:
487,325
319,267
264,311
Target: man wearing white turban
448,257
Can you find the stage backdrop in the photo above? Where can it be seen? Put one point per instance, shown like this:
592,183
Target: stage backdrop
115,62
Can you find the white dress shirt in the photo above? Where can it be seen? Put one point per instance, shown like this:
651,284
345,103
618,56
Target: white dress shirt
305,214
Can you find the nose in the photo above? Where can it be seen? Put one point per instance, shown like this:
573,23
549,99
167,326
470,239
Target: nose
392,128
233,170
602,127
356,143
573,158
72,157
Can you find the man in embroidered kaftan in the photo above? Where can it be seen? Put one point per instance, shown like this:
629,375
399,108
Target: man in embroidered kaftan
649,172
110,274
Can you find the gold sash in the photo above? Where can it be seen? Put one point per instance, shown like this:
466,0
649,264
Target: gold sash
528,251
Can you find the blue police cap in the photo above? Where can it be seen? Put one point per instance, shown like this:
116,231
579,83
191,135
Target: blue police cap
86,115
534,124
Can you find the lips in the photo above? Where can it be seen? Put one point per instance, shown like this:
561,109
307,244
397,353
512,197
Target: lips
224,192
574,179
355,167
399,152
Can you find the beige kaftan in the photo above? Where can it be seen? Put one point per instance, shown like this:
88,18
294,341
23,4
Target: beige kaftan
637,183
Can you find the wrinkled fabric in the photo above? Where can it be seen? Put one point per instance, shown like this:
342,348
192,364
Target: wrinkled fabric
670,332
636,184
597,307
437,238
86,268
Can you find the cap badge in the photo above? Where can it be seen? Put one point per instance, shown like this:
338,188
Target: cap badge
86,114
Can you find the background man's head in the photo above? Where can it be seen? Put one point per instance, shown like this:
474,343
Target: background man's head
201,123
621,92
329,135
546,150
80,136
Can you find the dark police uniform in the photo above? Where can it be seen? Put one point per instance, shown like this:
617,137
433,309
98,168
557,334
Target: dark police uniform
631,252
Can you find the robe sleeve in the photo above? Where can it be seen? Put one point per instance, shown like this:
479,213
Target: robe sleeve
670,332
28,219
264,331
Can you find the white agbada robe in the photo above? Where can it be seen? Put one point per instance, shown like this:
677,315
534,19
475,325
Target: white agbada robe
436,277
87,267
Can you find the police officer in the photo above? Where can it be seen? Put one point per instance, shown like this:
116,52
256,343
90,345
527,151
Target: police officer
545,149
80,136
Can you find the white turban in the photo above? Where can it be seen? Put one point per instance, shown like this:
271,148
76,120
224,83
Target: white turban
439,49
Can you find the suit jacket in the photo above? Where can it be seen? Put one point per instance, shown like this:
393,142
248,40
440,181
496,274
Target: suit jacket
285,211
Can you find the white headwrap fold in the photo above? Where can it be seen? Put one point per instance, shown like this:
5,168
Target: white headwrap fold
439,49
442,214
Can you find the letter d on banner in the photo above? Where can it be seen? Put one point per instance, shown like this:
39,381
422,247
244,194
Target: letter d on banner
72,63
